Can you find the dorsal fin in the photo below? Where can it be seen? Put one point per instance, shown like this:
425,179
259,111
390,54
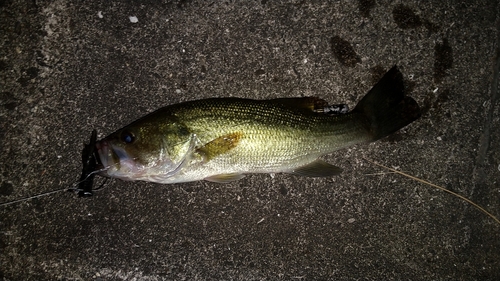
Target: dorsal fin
310,103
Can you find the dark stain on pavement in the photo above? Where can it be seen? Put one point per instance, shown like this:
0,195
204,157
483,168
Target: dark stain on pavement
365,7
405,18
443,60
344,52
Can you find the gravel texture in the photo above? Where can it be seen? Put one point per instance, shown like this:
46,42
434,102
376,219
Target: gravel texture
67,67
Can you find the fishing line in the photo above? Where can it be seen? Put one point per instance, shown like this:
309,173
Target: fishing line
93,189
72,189
440,188
32,197
91,173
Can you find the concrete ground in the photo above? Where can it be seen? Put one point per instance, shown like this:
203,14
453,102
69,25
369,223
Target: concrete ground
68,67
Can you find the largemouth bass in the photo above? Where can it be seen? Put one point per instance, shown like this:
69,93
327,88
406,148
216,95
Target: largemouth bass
222,139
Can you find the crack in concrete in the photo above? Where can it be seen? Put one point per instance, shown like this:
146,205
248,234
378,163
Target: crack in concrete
484,141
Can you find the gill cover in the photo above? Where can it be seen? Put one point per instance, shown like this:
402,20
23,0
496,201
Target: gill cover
156,144
122,161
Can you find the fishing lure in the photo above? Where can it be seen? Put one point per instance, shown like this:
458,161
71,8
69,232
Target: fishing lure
90,162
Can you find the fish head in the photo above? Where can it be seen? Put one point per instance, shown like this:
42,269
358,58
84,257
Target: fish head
144,150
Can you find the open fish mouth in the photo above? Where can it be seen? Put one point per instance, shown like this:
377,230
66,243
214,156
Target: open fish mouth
104,156
117,163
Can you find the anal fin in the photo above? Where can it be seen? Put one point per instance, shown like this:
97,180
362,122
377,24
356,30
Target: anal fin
318,168
225,178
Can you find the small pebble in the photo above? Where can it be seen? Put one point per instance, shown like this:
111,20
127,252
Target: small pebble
133,19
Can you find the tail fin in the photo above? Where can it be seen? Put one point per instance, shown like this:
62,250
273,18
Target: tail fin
386,107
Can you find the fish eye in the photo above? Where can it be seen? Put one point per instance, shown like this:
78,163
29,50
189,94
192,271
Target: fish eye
128,137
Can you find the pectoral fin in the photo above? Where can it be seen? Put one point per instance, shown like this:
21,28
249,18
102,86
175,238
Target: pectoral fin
317,168
219,145
225,178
